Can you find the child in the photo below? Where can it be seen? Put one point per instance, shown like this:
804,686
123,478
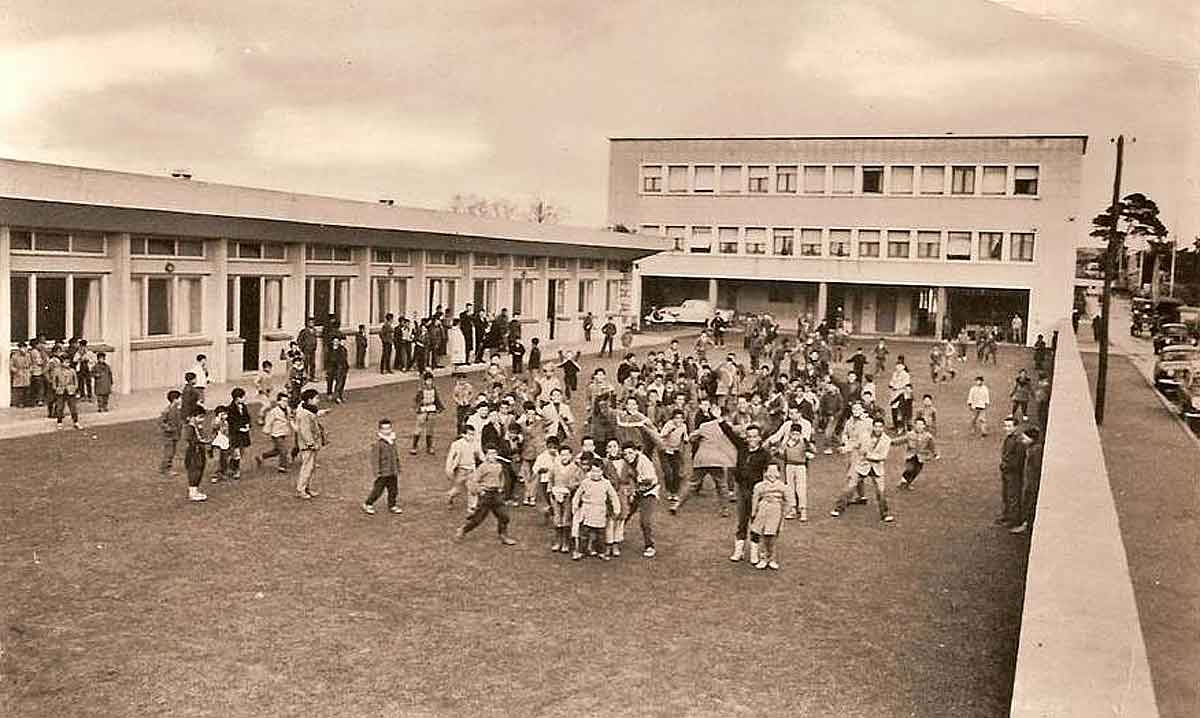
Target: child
535,356
170,425
239,430
102,382
570,370
490,477
928,412
461,394
65,384
919,450
221,443
542,465
1021,391
461,462
795,454
264,389
595,501
277,425
428,405
564,479
533,443
674,436
517,349
385,467
360,347
978,400
194,451
770,501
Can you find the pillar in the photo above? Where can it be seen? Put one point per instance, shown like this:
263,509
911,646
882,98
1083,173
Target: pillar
295,310
712,292
416,287
943,313
822,301
504,294
216,300
360,292
115,306
5,315
467,272
635,295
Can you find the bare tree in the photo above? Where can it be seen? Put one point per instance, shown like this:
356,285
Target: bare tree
540,210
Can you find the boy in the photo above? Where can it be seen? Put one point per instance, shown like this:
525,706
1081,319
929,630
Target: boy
490,476
170,424
533,443
517,349
428,405
1020,394
535,356
65,383
194,451
563,480
200,370
978,400
570,370
869,468
674,435
102,382
461,461
928,412
461,394
540,474
360,347
385,468
264,389
919,450
595,501
277,425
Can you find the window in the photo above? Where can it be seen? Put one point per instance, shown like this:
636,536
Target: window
231,304
85,307
388,296
328,253
525,262
677,178
165,247
933,179
484,294
559,287
587,264
248,250
191,303
522,297
587,291
1020,247
52,242
653,230
898,243
756,240
50,306
839,243
652,178
962,180
58,306
157,305
995,180
87,243
705,179
779,293
189,248
390,256
558,263
785,179
731,178
760,176
167,306
21,327
991,246
612,295
1025,181
902,180
616,265
22,241
868,243
784,242
872,180
701,240
678,236
958,246
272,307
485,260
810,243
843,180
814,179
441,293
727,240
328,296
442,258
929,245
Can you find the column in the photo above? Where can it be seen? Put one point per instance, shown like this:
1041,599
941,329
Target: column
822,301
712,292
416,286
5,315
635,295
467,290
295,287
216,303
116,305
943,312
504,294
541,299
360,294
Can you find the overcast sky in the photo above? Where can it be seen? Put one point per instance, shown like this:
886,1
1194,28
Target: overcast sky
379,98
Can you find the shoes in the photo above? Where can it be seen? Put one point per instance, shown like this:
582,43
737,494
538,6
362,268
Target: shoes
803,515
739,548
412,452
575,555
304,495
859,501
555,547
459,533
396,510
564,549
368,509
650,552
888,519
835,513
827,452
773,565
1019,528
195,495
673,508
616,550
605,557
258,462
312,494
761,564
216,479
508,540
789,515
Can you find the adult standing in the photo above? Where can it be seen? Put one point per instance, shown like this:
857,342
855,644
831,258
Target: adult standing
19,366
310,437
1018,330
387,336
307,341
588,322
404,344
37,373
718,330
435,341
480,330
1033,479
752,460
339,369
466,323
456,344
1012,474
501,326
609,330
514,330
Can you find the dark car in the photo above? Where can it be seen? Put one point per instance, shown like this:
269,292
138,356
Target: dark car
1172,334
1175,366
1187,398
1141,315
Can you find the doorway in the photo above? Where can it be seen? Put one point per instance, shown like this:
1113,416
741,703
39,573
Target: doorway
885,311
552,304
250,316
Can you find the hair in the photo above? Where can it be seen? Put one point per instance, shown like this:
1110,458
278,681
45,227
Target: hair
309,394
629,445
221,410
385,421
1033,433
281,395
979,378
197,410
928,396
552,442
528,405
173,395
100,355
201,357
427,375
535,341
189,376
1010,418
267,364
237,393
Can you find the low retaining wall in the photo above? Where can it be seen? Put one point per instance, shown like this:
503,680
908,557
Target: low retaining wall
1081,651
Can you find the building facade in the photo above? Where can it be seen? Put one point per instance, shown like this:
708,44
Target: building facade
920,235
155,270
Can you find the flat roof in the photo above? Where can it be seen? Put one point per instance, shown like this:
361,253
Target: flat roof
917,136
66,185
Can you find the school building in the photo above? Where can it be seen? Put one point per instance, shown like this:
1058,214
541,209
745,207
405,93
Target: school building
154,270
903,235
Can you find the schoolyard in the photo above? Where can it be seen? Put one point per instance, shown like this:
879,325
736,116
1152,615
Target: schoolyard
120,598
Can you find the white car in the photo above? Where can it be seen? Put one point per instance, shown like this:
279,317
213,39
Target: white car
692,311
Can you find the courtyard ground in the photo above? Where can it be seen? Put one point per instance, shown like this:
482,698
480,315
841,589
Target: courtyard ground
120,598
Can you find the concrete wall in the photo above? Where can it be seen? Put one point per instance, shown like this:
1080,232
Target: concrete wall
1081,652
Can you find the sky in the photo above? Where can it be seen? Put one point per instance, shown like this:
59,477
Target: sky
510,99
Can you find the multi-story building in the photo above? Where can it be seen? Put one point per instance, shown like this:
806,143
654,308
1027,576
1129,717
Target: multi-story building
908,235
154,270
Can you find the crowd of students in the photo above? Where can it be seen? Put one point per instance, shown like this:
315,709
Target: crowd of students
58,375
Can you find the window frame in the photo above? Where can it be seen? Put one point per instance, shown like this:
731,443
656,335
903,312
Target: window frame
757,248
836,240
1037,180
792,185
783,238
652,180
1014,256
712,177
819,244
758,179
891,180
964,171
907,243
875,171
723,242
941,190
860,243
990,235
970,242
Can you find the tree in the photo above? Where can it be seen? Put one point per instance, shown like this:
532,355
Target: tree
541,211
1135,216
483,207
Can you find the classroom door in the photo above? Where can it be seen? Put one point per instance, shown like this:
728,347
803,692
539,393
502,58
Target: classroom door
250,321
885,311
552,304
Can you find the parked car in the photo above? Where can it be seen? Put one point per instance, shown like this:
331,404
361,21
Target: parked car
1141,311
692,311
1187,398
1172,334
1175,366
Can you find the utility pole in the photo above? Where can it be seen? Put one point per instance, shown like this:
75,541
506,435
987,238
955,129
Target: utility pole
1114,251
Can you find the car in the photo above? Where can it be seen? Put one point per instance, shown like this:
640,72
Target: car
1172,334
1187,398
692,311
1175,366
1141,311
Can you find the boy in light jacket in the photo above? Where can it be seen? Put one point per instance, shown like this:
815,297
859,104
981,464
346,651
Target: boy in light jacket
385,468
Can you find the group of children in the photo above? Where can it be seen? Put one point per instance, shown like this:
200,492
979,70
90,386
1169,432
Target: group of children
58,376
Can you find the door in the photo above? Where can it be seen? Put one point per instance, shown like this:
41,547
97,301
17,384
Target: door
885,311
552,304
249,321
